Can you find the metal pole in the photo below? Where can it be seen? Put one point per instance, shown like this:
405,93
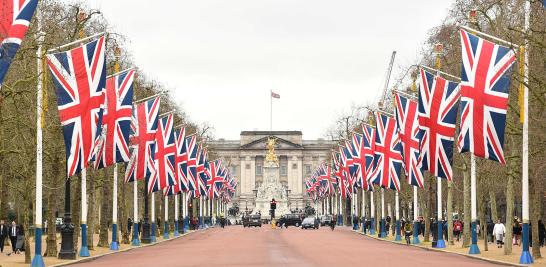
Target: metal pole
271,110
114,244
440,243
154,225
416,224
166,223
84,251
526,257
176,206
38,260
398,237
136,241
372,215
382,232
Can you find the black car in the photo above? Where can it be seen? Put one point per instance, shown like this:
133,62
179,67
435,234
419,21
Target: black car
255,220
289,220
325,220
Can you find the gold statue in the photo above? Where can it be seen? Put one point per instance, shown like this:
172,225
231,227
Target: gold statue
271,156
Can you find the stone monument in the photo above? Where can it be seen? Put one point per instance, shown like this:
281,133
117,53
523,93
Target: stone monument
271,188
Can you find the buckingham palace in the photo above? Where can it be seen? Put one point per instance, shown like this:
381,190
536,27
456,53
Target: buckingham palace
297,158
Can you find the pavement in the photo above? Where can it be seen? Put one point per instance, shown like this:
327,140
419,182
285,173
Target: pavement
238,246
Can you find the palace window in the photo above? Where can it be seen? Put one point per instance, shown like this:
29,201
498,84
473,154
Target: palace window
307,169
284,170
259,170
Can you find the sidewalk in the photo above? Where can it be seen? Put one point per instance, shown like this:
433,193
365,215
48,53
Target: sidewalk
493,254
18,260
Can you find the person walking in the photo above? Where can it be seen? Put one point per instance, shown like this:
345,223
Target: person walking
457,229
408,232
541,232
129,224
516,229
498,232
3,235
13,231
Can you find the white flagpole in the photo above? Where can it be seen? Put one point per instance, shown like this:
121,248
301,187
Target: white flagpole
166,227
526,257
176,207
114,244
136,241
397,214
440,240
38,259
372,215
415,217
154,225
271,110
382,229
84,251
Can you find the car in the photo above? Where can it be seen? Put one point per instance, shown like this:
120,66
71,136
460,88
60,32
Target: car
325,220
255,220
289,220
310,222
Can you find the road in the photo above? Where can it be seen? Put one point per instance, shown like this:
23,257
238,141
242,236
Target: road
238,246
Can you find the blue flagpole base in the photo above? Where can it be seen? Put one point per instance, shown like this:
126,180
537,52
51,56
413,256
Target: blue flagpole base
186,224
416,240
166,231
372,226
474,249
383,233
37,261
154,230
363,226
114,246
526,257
84,251
355,227
136,241
442,244
398,237
176,228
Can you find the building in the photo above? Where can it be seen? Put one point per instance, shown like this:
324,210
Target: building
298,158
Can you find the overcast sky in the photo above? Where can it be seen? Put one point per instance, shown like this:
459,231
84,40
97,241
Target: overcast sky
223,57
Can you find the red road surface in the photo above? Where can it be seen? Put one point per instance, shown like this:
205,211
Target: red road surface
238,246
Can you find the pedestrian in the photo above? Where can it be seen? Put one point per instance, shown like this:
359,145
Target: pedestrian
498,232
516,230
3,235
45,226
13,232
140,227
129,224
457,228
407,232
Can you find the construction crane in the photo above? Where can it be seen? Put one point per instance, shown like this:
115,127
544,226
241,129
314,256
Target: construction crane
388,77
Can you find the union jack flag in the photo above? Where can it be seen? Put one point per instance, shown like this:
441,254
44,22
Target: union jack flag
485,83
388,153
351,153
191,166
368,138
325,175
165,150
203,172
79,76
437,117
408,130
362,155
180,160
142,140
214,184
116,122
15,17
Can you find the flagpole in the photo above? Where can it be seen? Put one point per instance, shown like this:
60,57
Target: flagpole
153,239
398,237
526,257
166,222
270,110
38,260
416,224
382,232
363,210
114,245
84,251
136,241
176,215
372,214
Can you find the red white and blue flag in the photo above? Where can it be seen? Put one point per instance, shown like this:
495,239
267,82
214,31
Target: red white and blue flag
214,184
15,17
191,166
437,115
408,130
368,138
180,161
116,121
142,140
485,83
79,76
165,150
203,172
388,153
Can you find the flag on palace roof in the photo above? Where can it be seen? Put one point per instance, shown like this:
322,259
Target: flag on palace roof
79,76
485,84
15,17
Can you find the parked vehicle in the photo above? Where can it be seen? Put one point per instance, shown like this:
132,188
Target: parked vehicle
310,222
255,220
325,220
289,220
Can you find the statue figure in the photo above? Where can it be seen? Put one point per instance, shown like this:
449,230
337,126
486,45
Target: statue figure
271,156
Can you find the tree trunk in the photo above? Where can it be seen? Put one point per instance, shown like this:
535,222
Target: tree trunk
91,199
104,212
76,200
27,221
535,207
51,241
493,199
466,208
483,223
429,210
512,165
450,212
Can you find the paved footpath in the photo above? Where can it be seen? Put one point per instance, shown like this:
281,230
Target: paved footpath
238,246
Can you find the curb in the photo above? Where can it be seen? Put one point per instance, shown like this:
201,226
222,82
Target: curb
444,251
92,258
